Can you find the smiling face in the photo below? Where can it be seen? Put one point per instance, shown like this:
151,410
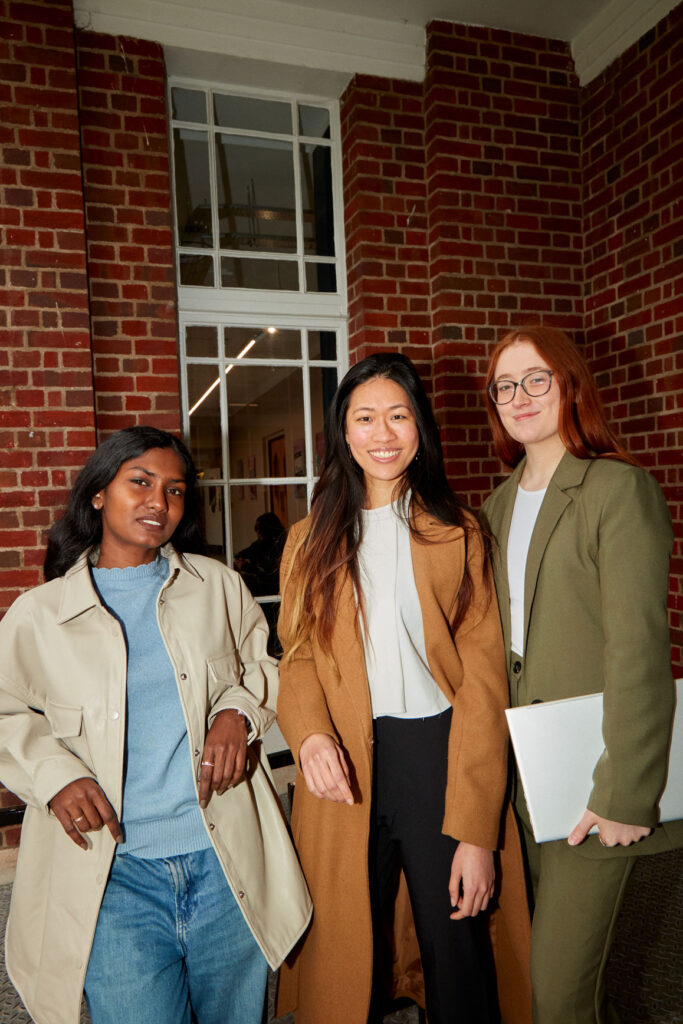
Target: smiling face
381,431
531,421
141,508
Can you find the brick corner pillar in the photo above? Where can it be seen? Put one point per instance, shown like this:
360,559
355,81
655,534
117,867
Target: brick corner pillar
384,210
122,95
503,181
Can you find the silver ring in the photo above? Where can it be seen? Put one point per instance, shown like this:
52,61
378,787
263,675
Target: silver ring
208,764
601,842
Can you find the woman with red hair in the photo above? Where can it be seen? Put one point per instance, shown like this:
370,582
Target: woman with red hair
584,540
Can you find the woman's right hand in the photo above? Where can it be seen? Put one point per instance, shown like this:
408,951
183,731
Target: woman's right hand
325,769
82,807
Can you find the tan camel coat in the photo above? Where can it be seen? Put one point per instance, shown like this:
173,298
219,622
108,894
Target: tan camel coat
328,977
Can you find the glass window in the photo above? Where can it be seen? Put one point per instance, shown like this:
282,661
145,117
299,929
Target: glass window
255,176
262,312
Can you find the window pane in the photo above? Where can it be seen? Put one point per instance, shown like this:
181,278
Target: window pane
205,419
256,208
268,343
192,187
322,345
321,277
314,121
201,340
189,105
266,417
273,275
196,271
248,503
316,197
252,114
323,387
213,520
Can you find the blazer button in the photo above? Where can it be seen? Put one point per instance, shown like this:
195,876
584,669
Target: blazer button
517,667
241,894
183,675
211,826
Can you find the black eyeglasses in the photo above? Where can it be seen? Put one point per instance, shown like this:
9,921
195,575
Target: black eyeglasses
535,384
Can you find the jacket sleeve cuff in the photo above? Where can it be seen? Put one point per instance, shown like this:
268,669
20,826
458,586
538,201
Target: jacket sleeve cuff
53,774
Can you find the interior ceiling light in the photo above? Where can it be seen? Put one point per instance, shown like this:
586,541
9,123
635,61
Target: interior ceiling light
247,347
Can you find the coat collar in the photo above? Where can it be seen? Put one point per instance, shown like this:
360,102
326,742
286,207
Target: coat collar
78,591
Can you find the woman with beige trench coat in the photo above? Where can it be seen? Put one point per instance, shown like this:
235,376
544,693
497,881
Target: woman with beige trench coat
392,700
155,867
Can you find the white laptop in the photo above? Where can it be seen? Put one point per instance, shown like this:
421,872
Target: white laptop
557,745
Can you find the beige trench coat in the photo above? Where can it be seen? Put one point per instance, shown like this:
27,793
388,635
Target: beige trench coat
62,717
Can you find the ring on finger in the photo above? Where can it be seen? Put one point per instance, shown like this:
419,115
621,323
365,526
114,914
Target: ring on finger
602,843
81,817
208,764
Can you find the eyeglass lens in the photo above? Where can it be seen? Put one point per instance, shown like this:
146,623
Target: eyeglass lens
535,384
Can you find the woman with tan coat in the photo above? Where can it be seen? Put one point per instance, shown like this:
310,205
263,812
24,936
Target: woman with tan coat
392,699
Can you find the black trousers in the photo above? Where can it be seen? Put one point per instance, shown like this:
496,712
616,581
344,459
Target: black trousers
409,787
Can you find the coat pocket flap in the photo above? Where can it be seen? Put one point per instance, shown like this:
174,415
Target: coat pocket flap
225,668
66,721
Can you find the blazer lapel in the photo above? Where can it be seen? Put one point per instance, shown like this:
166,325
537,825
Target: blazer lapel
569,473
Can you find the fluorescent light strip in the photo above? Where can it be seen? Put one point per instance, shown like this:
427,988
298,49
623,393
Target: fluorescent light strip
217,380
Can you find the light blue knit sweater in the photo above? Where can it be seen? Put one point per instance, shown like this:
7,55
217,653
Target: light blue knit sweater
161,816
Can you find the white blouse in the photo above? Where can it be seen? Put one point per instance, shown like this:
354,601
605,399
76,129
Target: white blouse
524,516
401,684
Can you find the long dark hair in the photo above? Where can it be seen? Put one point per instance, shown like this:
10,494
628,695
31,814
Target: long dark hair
81,525
582,426
331,544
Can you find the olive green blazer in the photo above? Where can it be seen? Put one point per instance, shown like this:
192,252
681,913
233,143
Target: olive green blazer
595,620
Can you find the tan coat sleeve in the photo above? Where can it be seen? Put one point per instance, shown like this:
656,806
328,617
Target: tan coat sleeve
301,708
477,764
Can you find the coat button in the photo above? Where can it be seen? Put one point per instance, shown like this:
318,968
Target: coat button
211,826
517,667
196,753
241,894
183,675
537,700
114,715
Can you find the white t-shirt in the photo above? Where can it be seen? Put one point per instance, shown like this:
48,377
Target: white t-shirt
401,684
524,516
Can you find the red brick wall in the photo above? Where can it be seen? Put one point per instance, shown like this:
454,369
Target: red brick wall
633,167
385,218
128,223
504,214
46,405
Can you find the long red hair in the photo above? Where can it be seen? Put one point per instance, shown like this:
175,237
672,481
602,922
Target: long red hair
583,429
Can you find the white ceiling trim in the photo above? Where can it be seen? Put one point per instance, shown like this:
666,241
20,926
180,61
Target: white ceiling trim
612,31
266,30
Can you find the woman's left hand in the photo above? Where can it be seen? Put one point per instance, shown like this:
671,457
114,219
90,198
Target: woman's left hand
611,833
472,880
224,755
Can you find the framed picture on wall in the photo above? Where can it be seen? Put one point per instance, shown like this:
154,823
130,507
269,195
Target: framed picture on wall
299,466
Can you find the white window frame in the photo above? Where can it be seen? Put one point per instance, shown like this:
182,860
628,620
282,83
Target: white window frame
220,307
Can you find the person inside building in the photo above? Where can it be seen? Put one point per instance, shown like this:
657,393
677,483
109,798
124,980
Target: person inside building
581,567
155,869
392,697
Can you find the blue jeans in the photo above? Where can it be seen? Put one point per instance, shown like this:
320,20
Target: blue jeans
171,946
